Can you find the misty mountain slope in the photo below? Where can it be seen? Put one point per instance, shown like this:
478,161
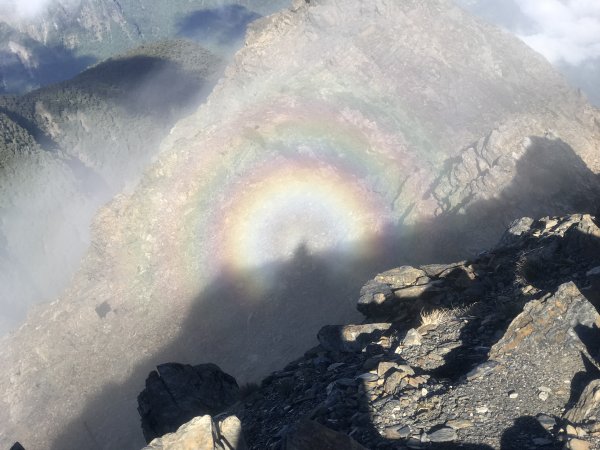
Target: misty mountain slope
564,31
145,89
360,133
66,36
27,64
67,148
31,177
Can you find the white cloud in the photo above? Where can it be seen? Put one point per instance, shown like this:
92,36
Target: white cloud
23,8
30,9
565,31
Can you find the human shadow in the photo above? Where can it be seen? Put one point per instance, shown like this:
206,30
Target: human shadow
526,431
250,322
223,26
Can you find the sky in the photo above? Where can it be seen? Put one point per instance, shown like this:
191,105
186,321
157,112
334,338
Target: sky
24,8
566,32
28,9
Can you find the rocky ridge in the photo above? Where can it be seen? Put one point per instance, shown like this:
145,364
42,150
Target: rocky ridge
497,352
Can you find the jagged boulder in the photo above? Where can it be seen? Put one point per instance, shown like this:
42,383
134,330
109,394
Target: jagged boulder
175,393
350,338
516,229
583,237
405,291
393,291
565,321
587,408
202,433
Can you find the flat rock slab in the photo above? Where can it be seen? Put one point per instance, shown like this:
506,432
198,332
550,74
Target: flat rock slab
350,338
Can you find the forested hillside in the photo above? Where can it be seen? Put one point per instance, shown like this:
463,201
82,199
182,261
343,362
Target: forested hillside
67,148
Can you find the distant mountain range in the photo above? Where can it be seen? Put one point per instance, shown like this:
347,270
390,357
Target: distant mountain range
70,35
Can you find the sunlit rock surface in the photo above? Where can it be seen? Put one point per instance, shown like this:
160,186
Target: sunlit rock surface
345,138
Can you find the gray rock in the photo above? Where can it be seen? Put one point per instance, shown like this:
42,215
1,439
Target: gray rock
546,421
201,433
334,366
394,382
386,367
350,338
412,338
516,230
588,405
459,424
482,370
368,377
175,393
592,290
445,434
583,237
197,434
397,432
384,294
557,322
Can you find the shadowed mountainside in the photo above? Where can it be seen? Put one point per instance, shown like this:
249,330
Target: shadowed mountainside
249,329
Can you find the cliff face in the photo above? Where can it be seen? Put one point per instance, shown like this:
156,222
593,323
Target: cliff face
343,139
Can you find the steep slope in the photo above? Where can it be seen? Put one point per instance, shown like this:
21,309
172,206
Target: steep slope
509,14
499,352
66,149
66,36
344,137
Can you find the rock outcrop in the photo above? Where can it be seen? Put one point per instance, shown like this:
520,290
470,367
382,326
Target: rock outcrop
203,433
175,393
502,354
